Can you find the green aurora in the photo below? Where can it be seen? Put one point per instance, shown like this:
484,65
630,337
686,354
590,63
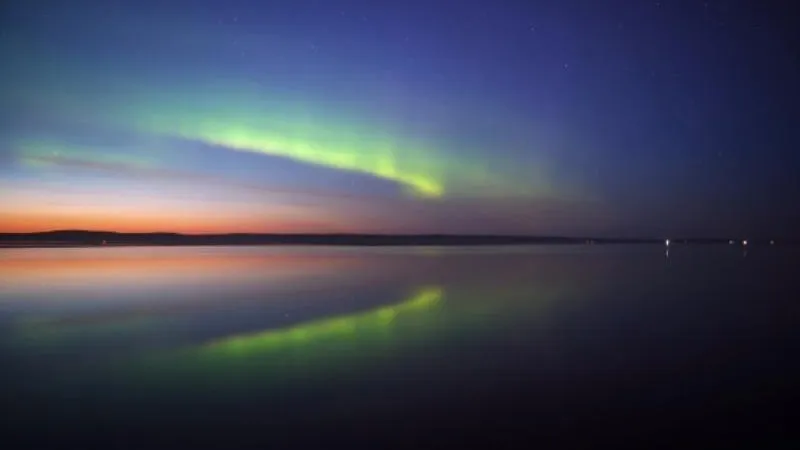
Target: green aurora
232,116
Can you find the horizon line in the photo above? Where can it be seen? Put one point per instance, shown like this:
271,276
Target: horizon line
410,235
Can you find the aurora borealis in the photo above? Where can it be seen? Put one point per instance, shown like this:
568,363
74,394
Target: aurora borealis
413,117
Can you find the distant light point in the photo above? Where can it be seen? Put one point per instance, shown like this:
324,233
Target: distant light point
666,242
744,242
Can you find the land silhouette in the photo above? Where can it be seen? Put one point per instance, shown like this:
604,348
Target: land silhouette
81,238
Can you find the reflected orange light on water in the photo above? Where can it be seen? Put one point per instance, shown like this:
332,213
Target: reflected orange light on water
143,266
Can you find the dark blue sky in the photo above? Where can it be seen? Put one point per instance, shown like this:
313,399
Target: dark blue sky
625,118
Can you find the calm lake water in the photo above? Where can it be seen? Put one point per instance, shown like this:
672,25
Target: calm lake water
289,346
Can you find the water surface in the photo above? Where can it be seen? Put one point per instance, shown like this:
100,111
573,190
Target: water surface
283,346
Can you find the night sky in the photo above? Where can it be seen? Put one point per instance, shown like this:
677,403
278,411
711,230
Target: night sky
605,118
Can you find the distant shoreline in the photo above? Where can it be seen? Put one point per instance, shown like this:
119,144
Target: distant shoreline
79,238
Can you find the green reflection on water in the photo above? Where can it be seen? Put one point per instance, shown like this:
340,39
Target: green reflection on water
324,329
333,345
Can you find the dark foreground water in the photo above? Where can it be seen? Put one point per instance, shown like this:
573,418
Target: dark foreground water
301,347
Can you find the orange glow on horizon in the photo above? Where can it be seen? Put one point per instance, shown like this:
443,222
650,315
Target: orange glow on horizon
151,223
27,210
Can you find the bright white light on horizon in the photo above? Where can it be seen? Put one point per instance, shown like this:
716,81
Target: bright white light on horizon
666,242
